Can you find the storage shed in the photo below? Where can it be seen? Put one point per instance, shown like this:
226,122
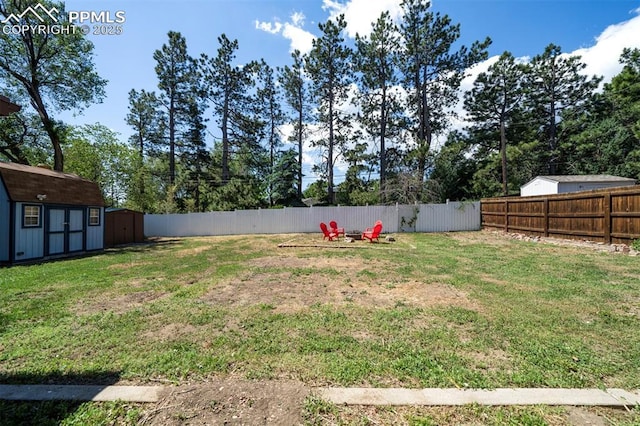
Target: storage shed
46,214
545,185
123,226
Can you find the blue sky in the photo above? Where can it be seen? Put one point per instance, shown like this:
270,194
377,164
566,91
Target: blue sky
269,29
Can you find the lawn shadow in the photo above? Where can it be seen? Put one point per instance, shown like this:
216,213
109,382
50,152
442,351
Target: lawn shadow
25,398
148,245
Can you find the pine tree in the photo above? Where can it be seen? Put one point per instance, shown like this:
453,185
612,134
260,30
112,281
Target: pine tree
556,84
603,136
432,72
283,179
329,67
148,122
380,104
296,95
227,87
494,97
269,113
179,94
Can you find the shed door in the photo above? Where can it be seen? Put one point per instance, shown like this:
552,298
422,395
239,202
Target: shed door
56,231
65,230
76,230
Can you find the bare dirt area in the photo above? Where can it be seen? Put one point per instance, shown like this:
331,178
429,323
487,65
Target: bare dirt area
290,284
117,304
502,238
230,402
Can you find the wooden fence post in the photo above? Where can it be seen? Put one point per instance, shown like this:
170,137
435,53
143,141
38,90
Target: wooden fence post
546,217
506,215
607,217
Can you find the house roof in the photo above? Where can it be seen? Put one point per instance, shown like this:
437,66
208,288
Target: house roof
26,183
6,107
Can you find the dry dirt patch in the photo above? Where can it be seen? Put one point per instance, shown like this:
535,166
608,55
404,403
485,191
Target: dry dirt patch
116,304
500,238
291,284
230,402
191,251
170,332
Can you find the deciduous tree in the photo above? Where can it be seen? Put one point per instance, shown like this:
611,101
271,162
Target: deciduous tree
54,72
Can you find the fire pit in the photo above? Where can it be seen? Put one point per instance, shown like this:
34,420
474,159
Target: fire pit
354,235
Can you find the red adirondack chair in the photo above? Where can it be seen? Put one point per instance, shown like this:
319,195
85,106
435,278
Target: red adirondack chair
326,234
334,228
373,233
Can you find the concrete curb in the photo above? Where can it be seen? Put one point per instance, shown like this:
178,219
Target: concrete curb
451,397
80,393
350,396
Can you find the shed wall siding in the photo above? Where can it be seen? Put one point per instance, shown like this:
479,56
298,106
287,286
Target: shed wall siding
95,234
29,242
564,187
539,187
5,209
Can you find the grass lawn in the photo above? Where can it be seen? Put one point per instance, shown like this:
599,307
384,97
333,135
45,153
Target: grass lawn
429,310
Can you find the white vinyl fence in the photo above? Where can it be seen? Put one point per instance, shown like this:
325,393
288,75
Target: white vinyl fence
453,216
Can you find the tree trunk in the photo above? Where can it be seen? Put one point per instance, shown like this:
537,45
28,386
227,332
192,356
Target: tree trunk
172,142
503,153
49,126
300,120
330,195
383,131
225,142
552,166
424,136
272,141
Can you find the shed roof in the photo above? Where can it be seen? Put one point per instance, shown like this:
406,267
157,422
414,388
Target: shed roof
25,183
6,107
121,210
584,178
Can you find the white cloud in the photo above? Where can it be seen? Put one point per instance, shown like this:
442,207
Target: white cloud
298,37
602,58
359,14
297,19
270,27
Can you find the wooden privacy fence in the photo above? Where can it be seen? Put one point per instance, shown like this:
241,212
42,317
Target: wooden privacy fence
603,215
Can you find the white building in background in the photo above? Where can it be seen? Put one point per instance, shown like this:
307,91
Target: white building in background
545,185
